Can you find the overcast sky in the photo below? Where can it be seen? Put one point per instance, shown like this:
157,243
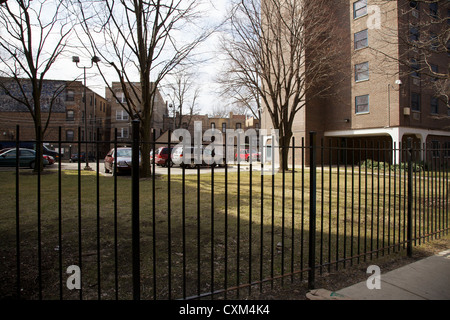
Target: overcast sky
215,11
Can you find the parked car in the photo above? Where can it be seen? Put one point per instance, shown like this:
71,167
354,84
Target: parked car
46,149
50,159
123,159
163,157
82,156
243,155
179,153
27,158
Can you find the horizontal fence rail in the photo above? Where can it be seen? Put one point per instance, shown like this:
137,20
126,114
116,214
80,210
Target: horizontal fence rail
214,232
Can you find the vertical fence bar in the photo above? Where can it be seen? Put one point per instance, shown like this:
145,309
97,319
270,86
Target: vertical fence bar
135,211
169,224
293,209
18,262
261,254
321,203
212,231
410,198
80,246
60,217
312,212
198,231
98,213
116,253
38,165
183,195
154,212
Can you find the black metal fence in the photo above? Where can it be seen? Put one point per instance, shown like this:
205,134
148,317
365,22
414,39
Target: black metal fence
220,233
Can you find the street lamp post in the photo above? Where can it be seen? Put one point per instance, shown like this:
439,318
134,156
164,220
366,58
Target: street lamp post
76,60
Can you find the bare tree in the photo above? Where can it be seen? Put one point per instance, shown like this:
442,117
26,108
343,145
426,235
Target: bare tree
139,38
34,34
183,93
281,53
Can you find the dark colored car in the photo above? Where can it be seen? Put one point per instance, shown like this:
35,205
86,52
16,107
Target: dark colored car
163,157
123,159
46,150
27,158
82,156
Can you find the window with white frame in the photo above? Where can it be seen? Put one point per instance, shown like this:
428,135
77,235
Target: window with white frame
362,104
123,133
122,115
121,97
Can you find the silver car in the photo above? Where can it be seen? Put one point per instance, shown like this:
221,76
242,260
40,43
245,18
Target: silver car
123,159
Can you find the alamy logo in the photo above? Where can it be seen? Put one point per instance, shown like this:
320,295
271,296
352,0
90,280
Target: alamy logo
374,281
216,147
374,19
74,280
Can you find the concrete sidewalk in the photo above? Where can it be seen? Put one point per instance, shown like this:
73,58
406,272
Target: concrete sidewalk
427,279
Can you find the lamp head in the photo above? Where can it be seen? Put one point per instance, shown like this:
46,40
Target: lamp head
75,59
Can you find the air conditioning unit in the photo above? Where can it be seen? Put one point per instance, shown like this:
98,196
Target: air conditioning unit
406,111
416,116
416,81
415,13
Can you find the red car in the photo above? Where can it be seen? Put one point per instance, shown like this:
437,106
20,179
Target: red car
163,157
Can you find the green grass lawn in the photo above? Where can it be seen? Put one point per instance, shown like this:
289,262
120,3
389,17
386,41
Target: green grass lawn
239,232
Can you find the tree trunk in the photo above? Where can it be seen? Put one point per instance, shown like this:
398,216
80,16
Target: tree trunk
284,151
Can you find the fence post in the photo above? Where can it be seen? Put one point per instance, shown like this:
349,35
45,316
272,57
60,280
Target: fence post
312,212
410,199
135,211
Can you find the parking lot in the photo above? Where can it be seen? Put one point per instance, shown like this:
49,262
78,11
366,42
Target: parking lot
174,170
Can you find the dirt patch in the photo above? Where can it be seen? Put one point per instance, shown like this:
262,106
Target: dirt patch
335,280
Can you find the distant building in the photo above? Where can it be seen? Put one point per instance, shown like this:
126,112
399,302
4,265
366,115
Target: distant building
121,120
67,112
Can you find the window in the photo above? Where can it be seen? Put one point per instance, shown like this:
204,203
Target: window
435,70
361,39
359,8
69,135
414,5
121,115
70,115
415,68
213,125
414,34
224,127
70,95
434,105
362,104
121,97
434,41
238,125
435,146
415,102
123,133
447,149
434,10
362,71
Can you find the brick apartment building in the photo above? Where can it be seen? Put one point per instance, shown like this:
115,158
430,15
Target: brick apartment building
380,98
68,112
120,119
